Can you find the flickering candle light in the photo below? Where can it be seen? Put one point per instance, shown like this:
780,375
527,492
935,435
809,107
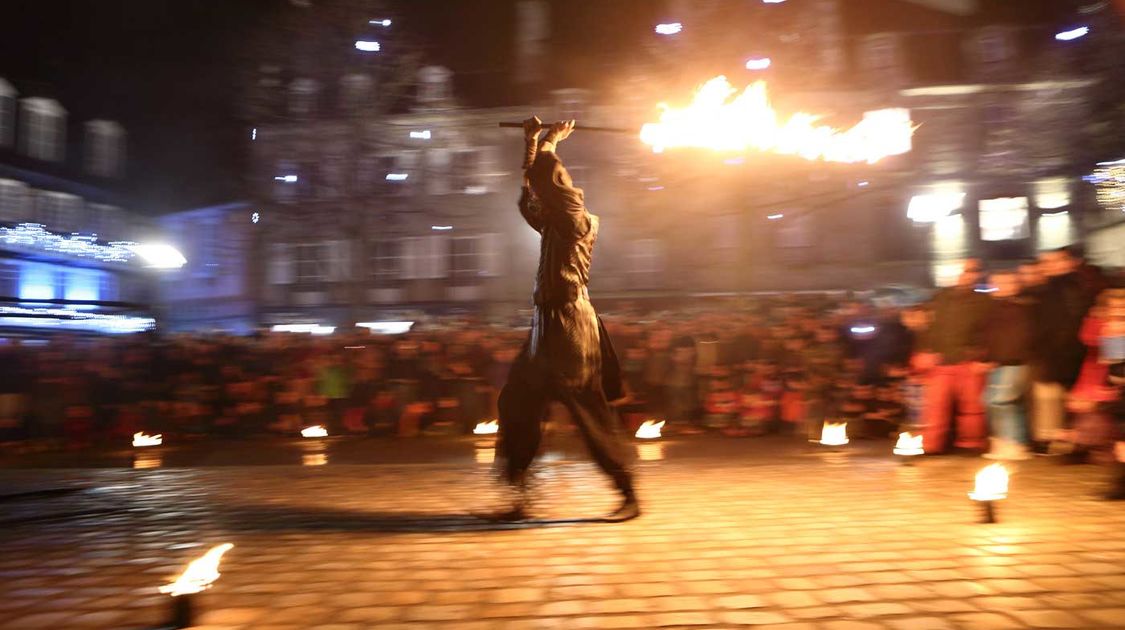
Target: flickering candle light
199,576
991,485
140,439
834,433
908,447
650,429
487,427
315,431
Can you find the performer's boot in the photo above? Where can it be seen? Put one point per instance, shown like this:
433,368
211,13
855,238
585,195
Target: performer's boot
630,508
519,510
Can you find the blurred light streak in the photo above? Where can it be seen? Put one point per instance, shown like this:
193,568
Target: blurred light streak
1073,34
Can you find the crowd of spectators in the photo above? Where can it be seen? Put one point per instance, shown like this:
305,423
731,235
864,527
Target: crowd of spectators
1044,338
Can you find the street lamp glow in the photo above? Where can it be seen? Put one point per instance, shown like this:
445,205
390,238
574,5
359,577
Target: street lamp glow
772,1
441,228
288,179
1073,34
380,22
397,177
160,255
758,63
775,217
669,29
420,135
367,46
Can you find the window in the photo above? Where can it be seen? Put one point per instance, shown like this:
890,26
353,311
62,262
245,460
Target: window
105,148
14,202
7,113
44,129
109,289
468,171
1003,219
467,259
338,260
993,46
434,85
882,52
438,167
281,265
108,222
425,257
386,261
646,256
303,97
795,238
59,211
206,235
9,279
311,262
331,183
355,92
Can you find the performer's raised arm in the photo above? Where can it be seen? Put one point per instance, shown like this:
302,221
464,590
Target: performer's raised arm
529,206
563,204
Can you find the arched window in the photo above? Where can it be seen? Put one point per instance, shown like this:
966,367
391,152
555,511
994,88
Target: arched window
303,94
43,129
105,148
7,113
356,91
434,85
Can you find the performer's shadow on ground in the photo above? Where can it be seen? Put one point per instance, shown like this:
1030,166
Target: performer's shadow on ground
321,519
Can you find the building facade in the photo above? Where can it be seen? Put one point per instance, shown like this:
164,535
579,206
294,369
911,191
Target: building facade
373,216
66,256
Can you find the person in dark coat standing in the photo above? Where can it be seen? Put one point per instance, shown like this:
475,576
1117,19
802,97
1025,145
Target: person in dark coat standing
1058,351
567,356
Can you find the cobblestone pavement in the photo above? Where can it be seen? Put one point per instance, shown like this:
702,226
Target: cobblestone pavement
794,541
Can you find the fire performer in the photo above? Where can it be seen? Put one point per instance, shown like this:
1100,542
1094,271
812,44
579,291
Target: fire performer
567,357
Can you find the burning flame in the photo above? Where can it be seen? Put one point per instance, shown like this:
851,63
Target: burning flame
314,431
199,574
649,429
991,483
486,427
140,439
721,118
909,445
834,434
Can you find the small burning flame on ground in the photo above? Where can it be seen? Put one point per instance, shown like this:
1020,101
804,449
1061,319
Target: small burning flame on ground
140,439
650,429
834,434
909,445
199,574
721,118
315,431
991,483
486,427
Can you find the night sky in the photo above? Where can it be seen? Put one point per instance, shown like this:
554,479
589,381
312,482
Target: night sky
169,70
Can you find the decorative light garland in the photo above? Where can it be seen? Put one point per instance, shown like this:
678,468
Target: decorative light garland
64,318
35,236
1109,179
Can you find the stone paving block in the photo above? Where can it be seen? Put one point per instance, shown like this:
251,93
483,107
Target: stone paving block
876,609
753,618
1110,617
738,601
1048,618
920,623
674,619
986,621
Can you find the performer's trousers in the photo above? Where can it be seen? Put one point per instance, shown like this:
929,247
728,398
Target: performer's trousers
523,407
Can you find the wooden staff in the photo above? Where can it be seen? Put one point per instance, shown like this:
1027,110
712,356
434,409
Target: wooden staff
519,125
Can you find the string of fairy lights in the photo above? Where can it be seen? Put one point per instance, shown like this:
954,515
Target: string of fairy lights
36,236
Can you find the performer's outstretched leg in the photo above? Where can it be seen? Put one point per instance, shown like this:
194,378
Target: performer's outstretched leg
601,430
521,408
